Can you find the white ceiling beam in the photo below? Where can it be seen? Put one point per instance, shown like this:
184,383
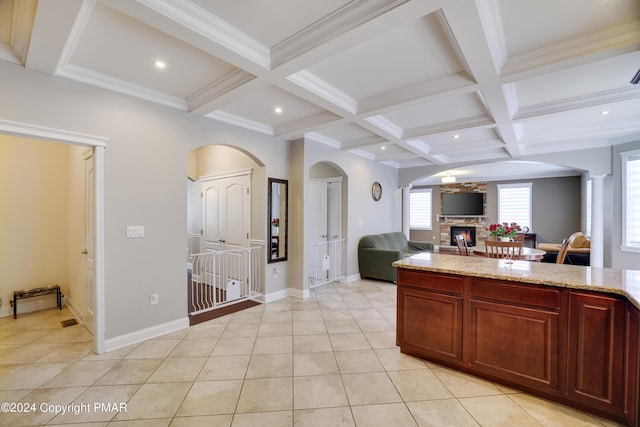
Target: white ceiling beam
57,27
464,21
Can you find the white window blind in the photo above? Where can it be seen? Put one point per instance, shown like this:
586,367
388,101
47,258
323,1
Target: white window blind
631,200
514,203
420,207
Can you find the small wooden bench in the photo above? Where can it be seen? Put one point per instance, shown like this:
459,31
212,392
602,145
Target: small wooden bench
36,292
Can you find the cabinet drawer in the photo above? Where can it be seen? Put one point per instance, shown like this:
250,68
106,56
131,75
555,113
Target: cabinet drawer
431,281
529,295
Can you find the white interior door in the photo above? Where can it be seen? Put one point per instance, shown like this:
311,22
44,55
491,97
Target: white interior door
317,228
334,209
89,256
226,213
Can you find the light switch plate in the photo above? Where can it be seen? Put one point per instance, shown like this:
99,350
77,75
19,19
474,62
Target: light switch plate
135,231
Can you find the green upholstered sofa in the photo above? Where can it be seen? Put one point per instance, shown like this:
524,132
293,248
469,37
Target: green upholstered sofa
376,253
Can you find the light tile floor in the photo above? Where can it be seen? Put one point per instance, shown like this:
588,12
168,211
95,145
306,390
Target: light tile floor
329,360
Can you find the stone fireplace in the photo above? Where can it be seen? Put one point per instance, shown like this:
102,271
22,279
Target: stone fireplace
476,223
469,234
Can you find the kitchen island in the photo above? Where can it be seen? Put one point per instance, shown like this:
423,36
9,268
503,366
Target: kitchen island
568,333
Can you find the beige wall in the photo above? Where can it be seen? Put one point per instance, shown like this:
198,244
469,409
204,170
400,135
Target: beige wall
35,225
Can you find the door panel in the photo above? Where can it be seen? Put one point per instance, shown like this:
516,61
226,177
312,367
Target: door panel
317,228
226,213
89,262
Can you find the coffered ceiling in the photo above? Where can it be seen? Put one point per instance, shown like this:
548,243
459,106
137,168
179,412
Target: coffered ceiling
403,82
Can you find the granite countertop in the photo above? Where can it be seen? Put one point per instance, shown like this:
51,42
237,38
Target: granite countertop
606,280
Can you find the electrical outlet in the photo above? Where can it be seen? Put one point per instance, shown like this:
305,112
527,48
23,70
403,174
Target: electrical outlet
154,298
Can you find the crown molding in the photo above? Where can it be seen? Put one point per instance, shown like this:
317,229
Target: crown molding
338,22
552,146
86,9
578,102
242,122
391,163
476,122
363,142
625,37
197,19
453,41
386,125
50,134
491,19
444,87
314,84
316,137
24,13
219,87
298,127
362,153
103,81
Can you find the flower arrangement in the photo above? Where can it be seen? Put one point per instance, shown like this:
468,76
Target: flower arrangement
504,230
275,222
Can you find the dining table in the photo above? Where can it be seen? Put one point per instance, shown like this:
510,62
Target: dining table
528,254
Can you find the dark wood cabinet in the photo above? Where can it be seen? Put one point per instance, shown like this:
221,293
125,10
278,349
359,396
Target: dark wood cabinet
438,334
576,347
595,366
515,343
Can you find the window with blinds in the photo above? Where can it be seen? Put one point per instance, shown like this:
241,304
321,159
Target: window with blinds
514,203
631,201
420,208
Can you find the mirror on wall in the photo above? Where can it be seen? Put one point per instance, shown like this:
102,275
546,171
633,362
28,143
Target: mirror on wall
278,219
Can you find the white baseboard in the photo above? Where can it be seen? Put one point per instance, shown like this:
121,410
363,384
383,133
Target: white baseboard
145,334
75,311
289,292
352,278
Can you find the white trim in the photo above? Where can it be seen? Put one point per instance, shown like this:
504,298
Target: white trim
50,134
284,293
201,21
99,315
624,156
241,172
242,122
314,84
352,278
145,334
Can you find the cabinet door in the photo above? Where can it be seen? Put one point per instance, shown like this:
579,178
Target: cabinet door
516,343
596,350
632,364
430,324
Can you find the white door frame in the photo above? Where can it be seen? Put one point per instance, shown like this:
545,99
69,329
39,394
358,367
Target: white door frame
26,130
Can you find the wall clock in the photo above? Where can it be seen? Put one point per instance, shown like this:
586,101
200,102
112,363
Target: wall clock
376,191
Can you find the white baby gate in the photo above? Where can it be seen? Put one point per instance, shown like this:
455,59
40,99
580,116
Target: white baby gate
221,278
326,261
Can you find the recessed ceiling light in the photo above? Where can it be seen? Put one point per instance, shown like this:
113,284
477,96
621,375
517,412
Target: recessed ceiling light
604,113
383,148
160,64
278,110
456,136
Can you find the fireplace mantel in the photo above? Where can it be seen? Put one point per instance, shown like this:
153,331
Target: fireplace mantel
480,218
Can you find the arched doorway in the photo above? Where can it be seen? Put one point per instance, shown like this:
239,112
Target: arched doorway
226,231
325,224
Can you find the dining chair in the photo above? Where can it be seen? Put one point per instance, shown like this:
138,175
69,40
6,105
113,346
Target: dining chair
497,249
463,248
562,253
